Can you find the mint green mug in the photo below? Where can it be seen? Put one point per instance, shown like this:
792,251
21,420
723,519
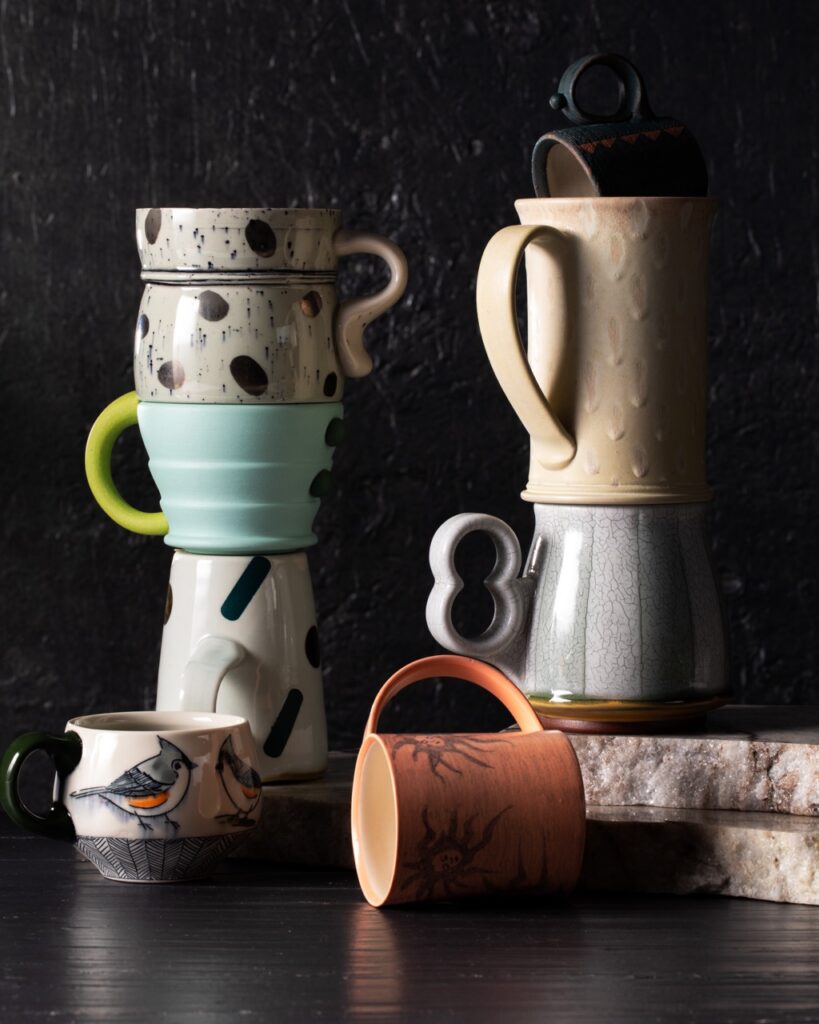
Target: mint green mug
232,479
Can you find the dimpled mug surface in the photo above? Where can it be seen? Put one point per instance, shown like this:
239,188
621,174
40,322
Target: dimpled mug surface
146,796
240,307
612,386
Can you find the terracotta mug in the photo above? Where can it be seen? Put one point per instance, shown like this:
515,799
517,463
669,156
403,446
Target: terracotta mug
445,816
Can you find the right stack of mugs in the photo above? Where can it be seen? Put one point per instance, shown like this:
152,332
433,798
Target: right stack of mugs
240,356
616,621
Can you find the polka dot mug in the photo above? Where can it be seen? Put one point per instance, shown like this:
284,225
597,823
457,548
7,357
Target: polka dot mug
240,305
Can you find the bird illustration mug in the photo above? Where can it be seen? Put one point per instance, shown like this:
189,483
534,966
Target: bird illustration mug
146,796
444,816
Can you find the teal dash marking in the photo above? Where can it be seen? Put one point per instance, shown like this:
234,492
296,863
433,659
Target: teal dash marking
245,587
280,730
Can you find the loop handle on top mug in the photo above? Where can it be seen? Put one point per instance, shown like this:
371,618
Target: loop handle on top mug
633,103
354,315
497,318
477,672
65,751
511,595
111,422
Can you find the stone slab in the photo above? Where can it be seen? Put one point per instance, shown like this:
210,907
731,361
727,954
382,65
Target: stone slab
758,855
750,758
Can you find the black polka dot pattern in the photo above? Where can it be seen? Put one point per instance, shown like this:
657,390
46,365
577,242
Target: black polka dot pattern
312,648
322,484
334,434
171,375
311,304
153,222
249,375
261,238
143,325
330,384
212,306
168,604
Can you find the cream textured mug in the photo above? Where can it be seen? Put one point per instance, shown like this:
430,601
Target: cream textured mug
612,389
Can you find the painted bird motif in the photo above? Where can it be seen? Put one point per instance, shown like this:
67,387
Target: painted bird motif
241,782
152,788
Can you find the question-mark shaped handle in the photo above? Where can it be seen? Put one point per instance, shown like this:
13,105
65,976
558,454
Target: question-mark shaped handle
510,594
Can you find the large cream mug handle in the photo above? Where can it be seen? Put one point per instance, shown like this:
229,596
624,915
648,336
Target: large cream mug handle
497,317
355,315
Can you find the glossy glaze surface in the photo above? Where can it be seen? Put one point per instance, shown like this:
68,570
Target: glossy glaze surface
240,638
615,603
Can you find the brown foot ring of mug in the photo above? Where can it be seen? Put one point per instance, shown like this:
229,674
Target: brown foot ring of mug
649,719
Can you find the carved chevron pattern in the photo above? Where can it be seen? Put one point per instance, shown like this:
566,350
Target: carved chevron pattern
155,860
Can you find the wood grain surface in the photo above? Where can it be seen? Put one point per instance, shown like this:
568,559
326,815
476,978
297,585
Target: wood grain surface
264,944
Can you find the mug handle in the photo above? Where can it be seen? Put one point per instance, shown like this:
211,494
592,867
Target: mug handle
477,672
497,318
354,315
65,751
510,594
211,660
110,423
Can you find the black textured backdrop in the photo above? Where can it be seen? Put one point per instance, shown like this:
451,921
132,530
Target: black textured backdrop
416,119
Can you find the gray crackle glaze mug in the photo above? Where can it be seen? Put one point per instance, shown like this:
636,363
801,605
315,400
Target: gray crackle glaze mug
616,603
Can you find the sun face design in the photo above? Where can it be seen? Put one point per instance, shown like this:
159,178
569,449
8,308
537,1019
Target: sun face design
444,859
443,751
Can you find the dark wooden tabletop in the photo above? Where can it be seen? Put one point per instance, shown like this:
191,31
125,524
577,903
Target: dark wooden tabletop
262,944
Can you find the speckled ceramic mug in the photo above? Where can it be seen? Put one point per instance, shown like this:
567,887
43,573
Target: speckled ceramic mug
240,305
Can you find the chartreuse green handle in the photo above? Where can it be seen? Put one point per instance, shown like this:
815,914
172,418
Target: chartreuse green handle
118,416
65,751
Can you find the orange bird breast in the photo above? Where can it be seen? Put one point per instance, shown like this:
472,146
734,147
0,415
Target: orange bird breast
250,793
149,801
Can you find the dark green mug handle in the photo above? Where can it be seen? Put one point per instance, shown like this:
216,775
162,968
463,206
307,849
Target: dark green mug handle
65,751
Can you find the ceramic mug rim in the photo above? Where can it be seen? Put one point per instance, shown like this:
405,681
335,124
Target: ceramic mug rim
168,723
536,202
242,211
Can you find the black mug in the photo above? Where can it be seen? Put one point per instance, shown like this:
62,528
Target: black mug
630,152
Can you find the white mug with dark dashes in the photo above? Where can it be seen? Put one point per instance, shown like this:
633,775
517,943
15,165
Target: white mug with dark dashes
240,305
240,636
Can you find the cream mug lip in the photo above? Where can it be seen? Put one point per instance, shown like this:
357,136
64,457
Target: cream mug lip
132,723
527,202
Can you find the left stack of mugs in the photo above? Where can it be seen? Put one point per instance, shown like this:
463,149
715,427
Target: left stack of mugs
239,362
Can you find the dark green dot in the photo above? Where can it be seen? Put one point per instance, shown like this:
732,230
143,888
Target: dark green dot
335,432
322,484
312,648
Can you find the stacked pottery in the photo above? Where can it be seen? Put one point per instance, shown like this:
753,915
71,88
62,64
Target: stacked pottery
239,362
616,618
